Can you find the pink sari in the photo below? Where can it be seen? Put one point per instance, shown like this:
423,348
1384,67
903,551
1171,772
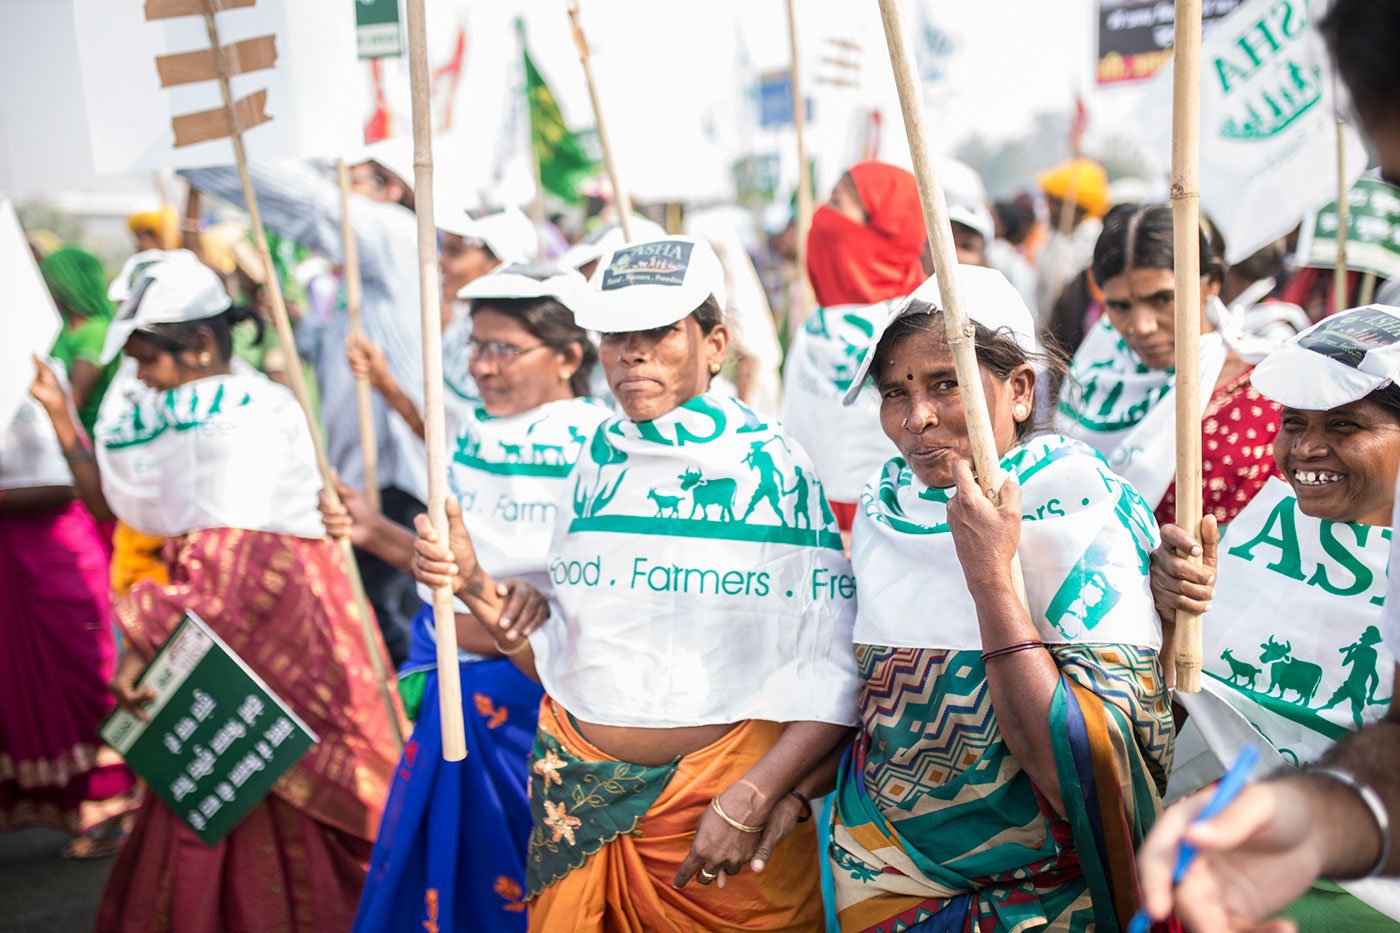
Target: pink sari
57,652
299,859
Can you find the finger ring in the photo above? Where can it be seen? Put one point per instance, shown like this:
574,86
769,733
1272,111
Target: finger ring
708,875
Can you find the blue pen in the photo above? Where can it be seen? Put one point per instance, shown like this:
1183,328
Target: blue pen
1226,791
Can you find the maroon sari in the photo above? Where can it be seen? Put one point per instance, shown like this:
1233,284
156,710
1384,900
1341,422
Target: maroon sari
298,860
57,652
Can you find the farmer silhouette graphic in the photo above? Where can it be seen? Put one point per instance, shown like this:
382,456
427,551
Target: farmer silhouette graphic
770,481
1360,685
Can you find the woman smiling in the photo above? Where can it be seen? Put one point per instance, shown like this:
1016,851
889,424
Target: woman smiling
698,668
1119,395
973,797
1295,586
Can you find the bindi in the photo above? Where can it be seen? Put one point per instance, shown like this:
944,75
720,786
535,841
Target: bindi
909,376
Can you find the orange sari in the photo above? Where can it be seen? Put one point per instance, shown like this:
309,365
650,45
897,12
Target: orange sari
627,884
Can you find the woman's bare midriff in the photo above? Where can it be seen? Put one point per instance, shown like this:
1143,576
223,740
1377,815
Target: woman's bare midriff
650,746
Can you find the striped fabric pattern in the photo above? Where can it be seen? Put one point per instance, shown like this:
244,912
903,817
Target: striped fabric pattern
937,827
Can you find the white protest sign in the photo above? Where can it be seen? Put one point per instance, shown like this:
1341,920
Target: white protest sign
1268,123
151,85
28,318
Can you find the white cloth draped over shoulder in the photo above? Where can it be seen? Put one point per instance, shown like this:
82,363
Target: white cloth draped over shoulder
847,445
30,455
1086,539
1126,411
699,577
222,452
1293,652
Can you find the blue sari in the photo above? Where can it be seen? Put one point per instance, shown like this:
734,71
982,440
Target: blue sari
450,854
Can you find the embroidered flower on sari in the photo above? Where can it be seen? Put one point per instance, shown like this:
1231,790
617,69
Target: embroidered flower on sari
509,890
548,768
557,818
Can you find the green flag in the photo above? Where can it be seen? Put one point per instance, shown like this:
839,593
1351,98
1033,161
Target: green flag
561,156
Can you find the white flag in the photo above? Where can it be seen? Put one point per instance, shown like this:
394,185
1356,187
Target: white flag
1268,123
28,318
152,93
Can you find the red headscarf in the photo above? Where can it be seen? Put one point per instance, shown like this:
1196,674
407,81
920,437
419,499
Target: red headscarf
852,263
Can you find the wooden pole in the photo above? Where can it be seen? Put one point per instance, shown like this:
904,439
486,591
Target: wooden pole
1368,290
1340,293
801,305
940,233
1186,222
620,199
364,399
454,741
295,375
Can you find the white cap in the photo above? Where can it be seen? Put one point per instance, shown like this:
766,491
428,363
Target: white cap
527,280
651,284
975,217
395,154
607,238
987,297
507,232
120,289
1337,361
166,293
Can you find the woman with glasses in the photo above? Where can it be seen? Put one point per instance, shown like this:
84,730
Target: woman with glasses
451,849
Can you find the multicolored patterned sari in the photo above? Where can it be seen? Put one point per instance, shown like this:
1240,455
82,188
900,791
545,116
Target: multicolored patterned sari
936,826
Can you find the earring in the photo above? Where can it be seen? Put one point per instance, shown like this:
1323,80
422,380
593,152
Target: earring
206,358
714,369
1020,412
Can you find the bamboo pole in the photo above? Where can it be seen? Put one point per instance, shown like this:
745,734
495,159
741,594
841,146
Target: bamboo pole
295,375
1368,290
801,305
620,199
454,741
1340,293
364,399
1186,198
960,330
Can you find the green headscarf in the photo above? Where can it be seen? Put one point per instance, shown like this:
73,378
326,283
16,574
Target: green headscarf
76,281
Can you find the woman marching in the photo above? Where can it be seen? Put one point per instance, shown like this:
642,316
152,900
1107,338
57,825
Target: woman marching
1293,589
1007,761
696,670
451,849
221,465
1119,395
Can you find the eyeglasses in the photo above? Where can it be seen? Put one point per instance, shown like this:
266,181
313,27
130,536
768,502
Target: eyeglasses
498,351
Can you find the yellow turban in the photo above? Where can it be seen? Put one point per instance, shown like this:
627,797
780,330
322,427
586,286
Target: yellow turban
1086,177
162,224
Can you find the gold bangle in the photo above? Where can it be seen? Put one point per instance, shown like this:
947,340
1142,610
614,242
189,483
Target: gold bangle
514,651
741,827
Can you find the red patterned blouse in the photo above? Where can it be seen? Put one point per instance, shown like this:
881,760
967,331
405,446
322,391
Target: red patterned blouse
1238,428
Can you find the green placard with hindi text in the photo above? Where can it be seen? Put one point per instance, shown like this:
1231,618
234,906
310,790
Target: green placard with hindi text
215,739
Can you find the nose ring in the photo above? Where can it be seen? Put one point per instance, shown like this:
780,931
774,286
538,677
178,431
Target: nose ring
904,424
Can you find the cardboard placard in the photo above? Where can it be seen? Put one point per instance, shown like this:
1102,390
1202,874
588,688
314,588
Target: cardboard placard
28,317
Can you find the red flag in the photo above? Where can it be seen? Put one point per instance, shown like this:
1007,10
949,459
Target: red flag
1078,126
451,73
379,123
